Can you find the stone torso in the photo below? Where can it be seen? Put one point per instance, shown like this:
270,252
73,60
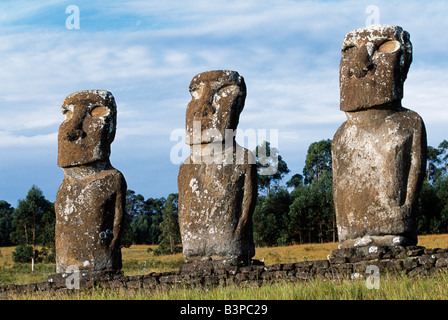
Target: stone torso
88,217
216,202
374,184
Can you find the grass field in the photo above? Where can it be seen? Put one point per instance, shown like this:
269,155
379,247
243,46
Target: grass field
391,288
138,260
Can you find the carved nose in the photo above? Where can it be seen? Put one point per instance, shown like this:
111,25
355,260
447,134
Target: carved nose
362,61
203,110
75,135
204,107
74,129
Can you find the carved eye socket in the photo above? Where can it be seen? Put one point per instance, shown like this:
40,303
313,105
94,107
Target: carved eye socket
99,112
195,91
389,46
67,113
348,48
228,90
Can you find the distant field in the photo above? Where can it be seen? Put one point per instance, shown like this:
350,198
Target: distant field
271,255
138,260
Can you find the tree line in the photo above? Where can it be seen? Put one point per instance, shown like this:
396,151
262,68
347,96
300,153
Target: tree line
299,210
302,211
31,225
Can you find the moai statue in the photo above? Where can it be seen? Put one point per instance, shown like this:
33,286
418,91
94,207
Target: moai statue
90,203
218,182
379,153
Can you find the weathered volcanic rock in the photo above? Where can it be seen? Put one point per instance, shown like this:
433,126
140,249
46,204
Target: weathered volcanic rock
374,64
379,153
90,203
217,183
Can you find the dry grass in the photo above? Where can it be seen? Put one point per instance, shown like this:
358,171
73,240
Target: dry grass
392,287
138,260
6,256
320,251
295,253
433,241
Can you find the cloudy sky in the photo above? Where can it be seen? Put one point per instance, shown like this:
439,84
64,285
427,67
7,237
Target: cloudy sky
147,52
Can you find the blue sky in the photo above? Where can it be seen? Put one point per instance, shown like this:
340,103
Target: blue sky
147,52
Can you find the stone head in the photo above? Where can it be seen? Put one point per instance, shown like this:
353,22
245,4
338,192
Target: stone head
374,64
217,99
88,129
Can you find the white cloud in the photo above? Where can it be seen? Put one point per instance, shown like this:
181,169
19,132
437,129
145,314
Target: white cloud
287,51
10,140
13,11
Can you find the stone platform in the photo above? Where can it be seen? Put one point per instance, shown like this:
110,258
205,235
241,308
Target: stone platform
342,264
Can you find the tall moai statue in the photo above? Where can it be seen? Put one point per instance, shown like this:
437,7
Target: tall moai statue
379,153
218,182
90,203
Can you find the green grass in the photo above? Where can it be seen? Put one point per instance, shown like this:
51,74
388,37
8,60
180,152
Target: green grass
392,287
137,260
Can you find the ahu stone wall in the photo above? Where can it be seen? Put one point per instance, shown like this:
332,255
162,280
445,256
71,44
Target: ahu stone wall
341,264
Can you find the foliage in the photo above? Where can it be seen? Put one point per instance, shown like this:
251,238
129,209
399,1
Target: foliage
33,224
443,155
312,212
295,181
437,162
143,218
433,160
23,253
312,215
303,213
307,213
270,218
318,161
428,210
155,207
169,239
433,198
271,167
6,212
442,196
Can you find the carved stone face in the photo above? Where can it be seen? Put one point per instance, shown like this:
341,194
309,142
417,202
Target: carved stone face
374,65
88,128
217,101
